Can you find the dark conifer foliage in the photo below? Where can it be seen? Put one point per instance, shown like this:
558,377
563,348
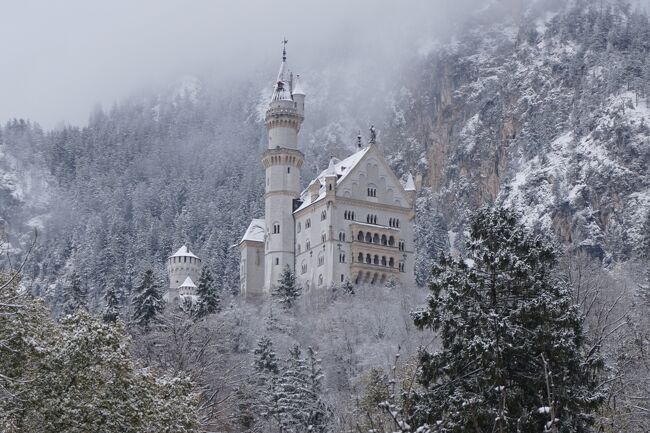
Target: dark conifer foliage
147,301
287,291
209,301
112,308
76,296
512,344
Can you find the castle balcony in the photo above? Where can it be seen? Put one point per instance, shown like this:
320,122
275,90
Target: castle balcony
375,236
282,156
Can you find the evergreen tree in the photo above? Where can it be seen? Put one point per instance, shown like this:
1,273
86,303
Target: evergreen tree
147,300
208,302
318,413
287,291
511,356
112,309
75,295
294,393
265,358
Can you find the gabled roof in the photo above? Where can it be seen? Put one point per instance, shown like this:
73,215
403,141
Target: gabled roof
340,168
410,184
255,231
184,252
188,283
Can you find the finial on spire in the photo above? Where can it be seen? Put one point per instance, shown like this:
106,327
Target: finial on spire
284,49
373,135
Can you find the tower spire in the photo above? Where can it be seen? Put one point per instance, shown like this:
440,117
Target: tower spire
284,49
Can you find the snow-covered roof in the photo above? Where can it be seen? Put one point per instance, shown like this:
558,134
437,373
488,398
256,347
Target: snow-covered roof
410,184
297,88
188,283
340,168
282,90
255,231
184,252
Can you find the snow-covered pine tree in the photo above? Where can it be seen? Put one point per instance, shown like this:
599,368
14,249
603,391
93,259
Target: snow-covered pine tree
287,291
504,318
267,382
294,396
265,358
147,301
208,302
112,309
75,295
319,413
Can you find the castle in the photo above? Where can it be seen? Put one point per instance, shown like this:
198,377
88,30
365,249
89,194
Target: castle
353,223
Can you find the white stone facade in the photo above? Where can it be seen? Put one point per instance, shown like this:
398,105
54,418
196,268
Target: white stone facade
354,222
183,272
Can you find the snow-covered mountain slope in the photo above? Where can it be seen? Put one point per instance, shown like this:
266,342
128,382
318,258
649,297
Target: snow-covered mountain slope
549,115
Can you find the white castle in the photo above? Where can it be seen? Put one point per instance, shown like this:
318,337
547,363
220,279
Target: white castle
354,222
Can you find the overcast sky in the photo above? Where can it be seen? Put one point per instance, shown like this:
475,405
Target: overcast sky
60,58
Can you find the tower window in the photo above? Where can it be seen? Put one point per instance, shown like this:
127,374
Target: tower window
342,257
288,169
277,260
342,277
276,228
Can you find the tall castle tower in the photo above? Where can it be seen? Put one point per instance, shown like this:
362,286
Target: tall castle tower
282,161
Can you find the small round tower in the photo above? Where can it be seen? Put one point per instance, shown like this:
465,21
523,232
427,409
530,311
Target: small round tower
183,264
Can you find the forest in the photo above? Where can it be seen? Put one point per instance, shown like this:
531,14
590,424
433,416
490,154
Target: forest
533,249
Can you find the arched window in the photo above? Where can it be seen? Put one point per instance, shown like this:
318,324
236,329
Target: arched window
390,222
360,258
384,240
308,223
320,280
391,241
360,236
342,257
391,262
372,190
276,228
368,237
342,277
383,260
321,259
375,260
308,245
375,239
342,236
323,215
401,245
368,258
303,267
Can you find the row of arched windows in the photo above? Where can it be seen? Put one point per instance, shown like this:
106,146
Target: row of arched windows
371,219
376,239
348,215
376,260
393,222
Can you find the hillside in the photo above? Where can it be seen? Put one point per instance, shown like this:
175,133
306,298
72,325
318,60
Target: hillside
546,113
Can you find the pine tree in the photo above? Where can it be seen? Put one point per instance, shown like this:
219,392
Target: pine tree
267,382
287,291
112,309
318,413
294,395
208,302
512,352
147,301
265,358
75,295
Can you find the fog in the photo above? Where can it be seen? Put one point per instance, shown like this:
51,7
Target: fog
60,59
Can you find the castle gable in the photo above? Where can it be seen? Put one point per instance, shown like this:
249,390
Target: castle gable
372,179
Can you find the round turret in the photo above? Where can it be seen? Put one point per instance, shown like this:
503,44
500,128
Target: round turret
181,265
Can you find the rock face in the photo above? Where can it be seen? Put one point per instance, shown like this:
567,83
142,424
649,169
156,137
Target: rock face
549,116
